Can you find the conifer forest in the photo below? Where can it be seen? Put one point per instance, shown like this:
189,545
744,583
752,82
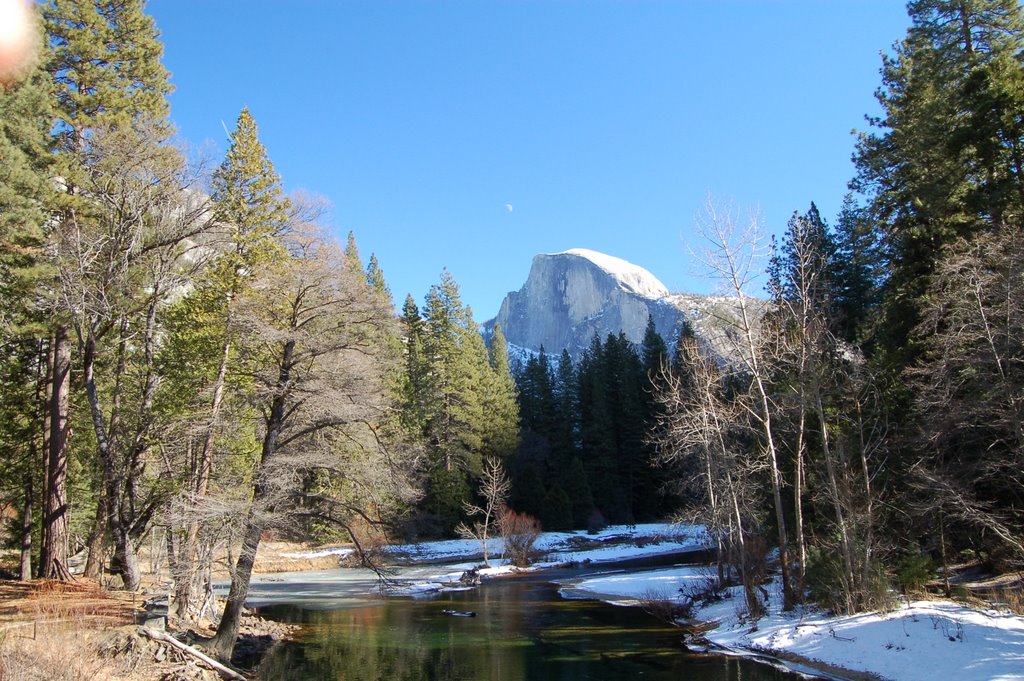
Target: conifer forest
192,360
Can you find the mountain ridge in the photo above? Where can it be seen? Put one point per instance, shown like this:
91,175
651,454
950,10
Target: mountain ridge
570,296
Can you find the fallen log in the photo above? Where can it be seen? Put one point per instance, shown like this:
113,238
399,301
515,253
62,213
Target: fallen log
225,672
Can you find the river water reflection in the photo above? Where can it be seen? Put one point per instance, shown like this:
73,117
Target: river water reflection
522,630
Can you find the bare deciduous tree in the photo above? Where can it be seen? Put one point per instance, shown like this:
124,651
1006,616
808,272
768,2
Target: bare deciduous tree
702,431
970,390
494,488
119,257
307,348
732,256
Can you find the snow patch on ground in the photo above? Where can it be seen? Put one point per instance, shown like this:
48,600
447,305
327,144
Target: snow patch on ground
917,641
615,543
445,562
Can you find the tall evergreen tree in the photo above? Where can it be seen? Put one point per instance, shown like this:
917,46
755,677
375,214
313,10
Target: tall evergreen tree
626,380
375,278
578,490
104,59
502,424
613,449
252,212
25,196
858,271
650,493
536,396
26,114
597,445
943,162
352,258
454,394
413,387
566,400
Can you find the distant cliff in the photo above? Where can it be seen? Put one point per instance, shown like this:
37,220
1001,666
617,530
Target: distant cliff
570,296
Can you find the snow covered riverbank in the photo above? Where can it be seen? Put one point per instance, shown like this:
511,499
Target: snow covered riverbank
441,564
917,641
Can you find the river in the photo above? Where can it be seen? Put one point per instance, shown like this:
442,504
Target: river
522,630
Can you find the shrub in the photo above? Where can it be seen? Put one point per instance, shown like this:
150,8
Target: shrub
828,586
596,522
665,608
519,533
913,570
556,510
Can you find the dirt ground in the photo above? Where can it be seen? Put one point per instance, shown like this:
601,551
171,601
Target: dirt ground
81,630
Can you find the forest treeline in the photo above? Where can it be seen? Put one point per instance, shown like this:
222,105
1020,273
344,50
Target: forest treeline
190,360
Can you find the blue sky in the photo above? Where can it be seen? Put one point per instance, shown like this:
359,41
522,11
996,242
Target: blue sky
475,134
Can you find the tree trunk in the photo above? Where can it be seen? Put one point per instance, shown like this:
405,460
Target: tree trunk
26,531
124,549
185,585
53,555
222,645
846,540
754,607
97,544
764,417
798,507
788,601
223,642
869,523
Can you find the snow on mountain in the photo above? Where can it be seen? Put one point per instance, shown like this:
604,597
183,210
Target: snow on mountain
571,296
633,278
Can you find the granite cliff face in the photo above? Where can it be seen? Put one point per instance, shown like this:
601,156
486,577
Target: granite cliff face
570,296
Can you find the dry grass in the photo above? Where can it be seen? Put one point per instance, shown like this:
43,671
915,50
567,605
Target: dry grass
666,608
1009,597
62,653
78,632
55,630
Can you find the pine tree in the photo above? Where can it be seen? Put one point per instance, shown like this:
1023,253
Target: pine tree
502,423
456,387
625,380
536,396
597,446
248,196
250,207
352,258
612,428
566,410
25,167
944,161
528,491
857,268
786,263
556,510
413,388
578,490
375,279
649,501
25,197
104,59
